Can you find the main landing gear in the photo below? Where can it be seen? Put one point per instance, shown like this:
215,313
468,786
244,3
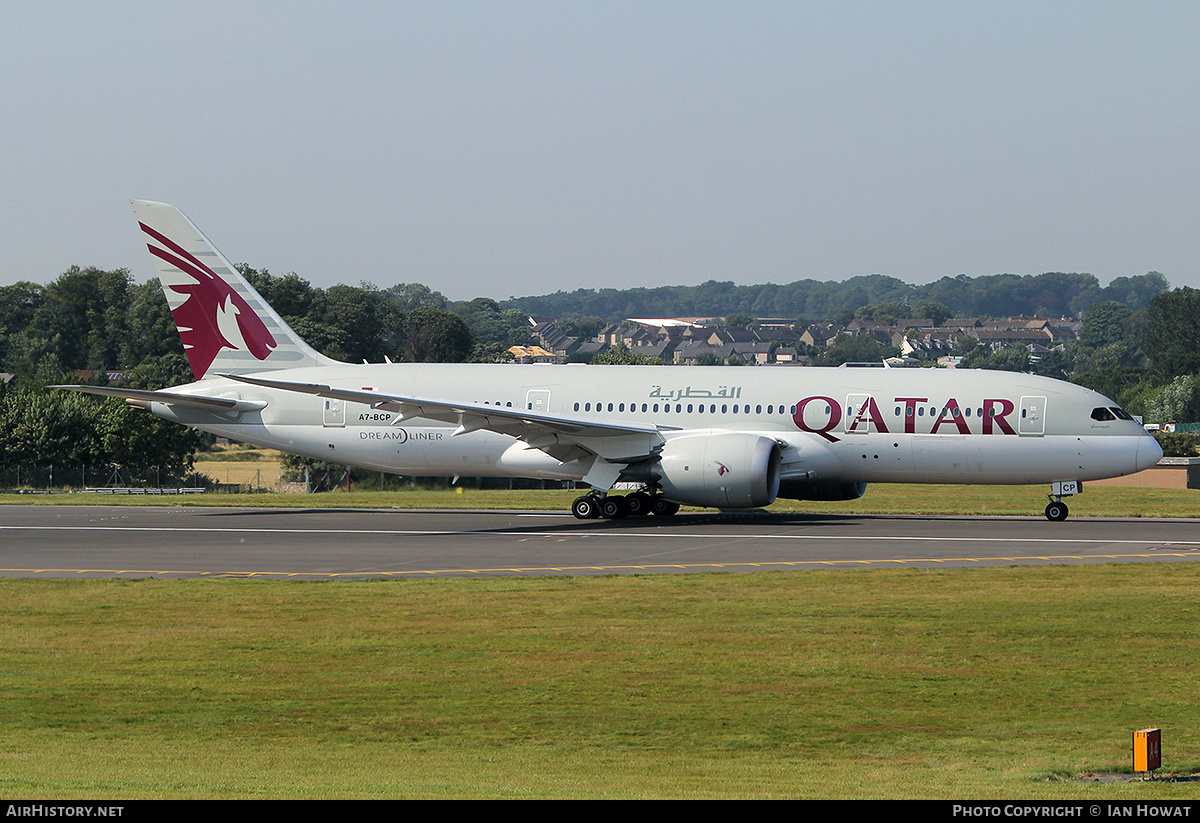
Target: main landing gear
616,507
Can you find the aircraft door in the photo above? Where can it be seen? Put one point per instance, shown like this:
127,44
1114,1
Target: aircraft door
538,400
334,412
1033,416
862,415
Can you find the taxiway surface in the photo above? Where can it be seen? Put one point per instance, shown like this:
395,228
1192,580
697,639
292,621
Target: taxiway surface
123,541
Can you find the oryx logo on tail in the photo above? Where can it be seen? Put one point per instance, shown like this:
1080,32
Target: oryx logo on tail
212,316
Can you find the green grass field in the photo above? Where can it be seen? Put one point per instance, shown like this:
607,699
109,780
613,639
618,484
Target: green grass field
984,683
1096,501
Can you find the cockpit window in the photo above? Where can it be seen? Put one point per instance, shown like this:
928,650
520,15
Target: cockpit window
1101,413
1121,413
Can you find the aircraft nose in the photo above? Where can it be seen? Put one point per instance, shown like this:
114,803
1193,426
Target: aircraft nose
1148,452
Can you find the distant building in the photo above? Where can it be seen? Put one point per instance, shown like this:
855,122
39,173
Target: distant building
532,354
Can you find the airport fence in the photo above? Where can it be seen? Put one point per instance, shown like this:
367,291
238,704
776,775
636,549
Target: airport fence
28,479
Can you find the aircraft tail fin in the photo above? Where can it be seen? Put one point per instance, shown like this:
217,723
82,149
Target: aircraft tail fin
225,324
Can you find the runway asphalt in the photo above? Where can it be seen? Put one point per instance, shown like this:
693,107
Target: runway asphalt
104,541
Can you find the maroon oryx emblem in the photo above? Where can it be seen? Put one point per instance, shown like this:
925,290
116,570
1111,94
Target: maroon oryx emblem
212,312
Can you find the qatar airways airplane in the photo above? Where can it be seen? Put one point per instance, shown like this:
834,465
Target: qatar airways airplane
700,436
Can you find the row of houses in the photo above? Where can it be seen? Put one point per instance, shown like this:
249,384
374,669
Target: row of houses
684,341
921,340
774,341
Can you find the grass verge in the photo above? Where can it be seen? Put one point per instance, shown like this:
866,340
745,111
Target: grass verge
1096,501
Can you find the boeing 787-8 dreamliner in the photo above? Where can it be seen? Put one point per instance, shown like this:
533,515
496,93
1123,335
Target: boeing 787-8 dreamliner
699,436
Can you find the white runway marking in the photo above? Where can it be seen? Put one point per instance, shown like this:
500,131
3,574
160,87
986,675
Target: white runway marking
637,535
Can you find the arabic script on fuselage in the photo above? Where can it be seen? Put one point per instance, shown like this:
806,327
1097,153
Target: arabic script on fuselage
690,393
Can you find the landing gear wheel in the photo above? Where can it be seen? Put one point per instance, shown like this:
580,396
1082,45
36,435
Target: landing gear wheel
639,504
1056,511
586,507
614,507
663,507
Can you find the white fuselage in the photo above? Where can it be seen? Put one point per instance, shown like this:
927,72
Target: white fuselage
844,424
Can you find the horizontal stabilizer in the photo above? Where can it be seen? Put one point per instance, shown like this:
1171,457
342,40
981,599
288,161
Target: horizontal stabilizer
173,398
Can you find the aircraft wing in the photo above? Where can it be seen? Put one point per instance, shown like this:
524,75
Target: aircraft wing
564,438
174,398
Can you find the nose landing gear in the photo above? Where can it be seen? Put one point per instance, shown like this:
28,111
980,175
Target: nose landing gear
1057,510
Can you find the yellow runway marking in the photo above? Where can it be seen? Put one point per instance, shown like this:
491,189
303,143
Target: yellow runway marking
563,536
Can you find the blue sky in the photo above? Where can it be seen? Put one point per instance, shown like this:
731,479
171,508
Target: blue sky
504,149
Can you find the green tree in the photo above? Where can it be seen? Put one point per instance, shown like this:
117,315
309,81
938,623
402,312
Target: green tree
150,331
489,353
1015,359
159,372
133,438
935,311
1136,292
842,317
1105,323
489,323
858,348
66,430
966,346
585,328
18,305
1179,402
622,356
1177,444
290,295
409,296
433,335
330,341
49,428
87,312
1113,382
740,320
1108,356
369,321
1172,337
77,322
1055,363
882,312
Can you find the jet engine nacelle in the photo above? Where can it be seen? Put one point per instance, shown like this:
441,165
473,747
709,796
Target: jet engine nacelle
728,470
829,490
